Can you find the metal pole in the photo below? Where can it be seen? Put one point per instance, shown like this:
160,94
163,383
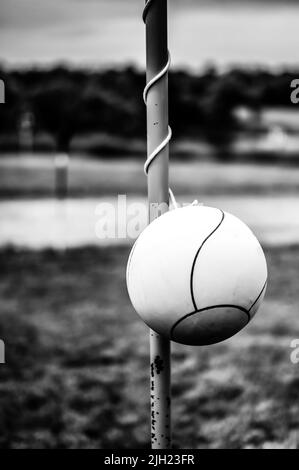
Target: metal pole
157,130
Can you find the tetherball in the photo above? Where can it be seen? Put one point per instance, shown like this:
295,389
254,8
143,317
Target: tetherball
197,275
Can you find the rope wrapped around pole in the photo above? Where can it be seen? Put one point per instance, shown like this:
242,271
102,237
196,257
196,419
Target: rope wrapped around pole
149,85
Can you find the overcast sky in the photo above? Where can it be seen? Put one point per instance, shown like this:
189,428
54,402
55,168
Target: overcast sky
105,32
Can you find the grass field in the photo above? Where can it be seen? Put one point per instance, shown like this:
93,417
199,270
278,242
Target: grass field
77,361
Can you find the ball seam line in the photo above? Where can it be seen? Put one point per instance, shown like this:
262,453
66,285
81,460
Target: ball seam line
259,296
196,257
242,309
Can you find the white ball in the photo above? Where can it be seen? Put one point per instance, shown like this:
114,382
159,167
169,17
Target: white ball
197,275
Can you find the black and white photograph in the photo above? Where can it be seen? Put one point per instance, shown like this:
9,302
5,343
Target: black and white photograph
149,227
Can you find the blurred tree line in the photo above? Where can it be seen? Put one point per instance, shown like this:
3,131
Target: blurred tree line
66,103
